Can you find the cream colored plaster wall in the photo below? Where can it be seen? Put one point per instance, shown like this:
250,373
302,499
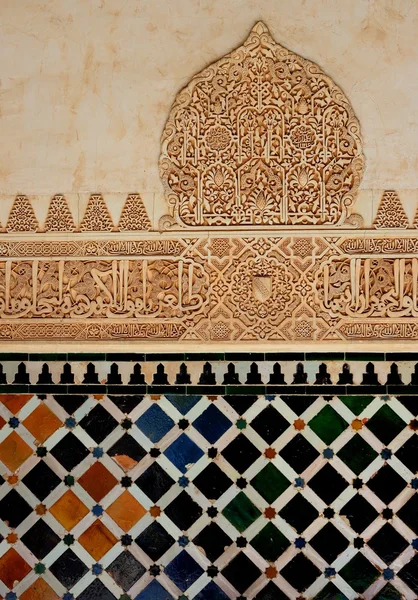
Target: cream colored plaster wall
86,85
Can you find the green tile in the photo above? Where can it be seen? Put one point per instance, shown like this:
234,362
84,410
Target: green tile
270,543
328,424
330,592
270,483
359,573
241,512
389,593
357,454
385,424
356,403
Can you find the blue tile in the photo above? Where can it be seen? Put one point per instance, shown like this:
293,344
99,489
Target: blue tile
212,424
155,423
183,570
211,592
183,403
183,453
154,591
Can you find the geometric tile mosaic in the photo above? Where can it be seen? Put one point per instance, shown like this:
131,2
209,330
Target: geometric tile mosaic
163,497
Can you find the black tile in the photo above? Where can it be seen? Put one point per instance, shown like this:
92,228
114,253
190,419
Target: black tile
241,403
411,403
210,356
299,453
408,453
155,541
409,574
365,356
68,569
241,453
40,539
41,480
388,543
385,424
126,570
270,592
269,424
154,482
324,356
299,513
213,540
96,591
126,403
125,357
98,423
386,484
329,542
69,451
246,356
70,402
127,446
330,592
161,356
300,572
409,513
212,482
284,356
183,511
241,572
359,513
14,509
299,403
328,484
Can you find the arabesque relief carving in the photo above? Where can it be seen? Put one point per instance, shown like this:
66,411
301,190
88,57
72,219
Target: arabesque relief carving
261,162
261,137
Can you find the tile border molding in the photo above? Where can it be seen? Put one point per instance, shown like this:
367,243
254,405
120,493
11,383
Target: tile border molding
261,164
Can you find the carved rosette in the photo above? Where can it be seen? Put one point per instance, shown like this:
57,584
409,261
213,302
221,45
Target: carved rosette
261,137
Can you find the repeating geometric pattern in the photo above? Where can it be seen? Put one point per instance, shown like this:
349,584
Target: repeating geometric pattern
208,497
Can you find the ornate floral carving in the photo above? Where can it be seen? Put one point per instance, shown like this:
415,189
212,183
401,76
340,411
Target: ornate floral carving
261,137
134,216
96,216
390,212
59,217
22,216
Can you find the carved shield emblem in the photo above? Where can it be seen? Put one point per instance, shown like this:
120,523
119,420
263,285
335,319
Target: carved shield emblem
262,288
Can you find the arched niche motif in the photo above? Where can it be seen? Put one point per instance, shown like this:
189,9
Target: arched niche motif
262,137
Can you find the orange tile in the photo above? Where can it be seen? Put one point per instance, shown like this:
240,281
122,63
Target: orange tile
15,402
42,423
97,481
14,451
13,568
97,540
2,422
69,510
126,511
39,590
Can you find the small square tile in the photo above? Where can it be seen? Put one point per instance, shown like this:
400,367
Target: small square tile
42,423
126,511
69,510
126,570
39,590
14,451
97,540
13,568
98,481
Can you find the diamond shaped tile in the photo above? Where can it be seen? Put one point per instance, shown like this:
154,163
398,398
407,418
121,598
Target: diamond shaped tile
386,484
390,593
39,590
14,451
408,574
96,590
299,453
155,423
330,592
183,403
357,454
183,570
155,541
97,540
14,509
212,481
183,511
241,453
126,404
269,424
70,402
270,543
300,572
154,591
408,453
359,573
98,423
68,569
241,403
212,424
299,513
299,403
155,482
329,542
98,481
126,570
15,402
211,592
328,484
357,403
409,513
126,511
42,423
388,543
386,424
358,513
183,453
13,568
41,480
241,572
40,539
270,483
69,451
69,510
328,424
127,452
213,541
241,512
